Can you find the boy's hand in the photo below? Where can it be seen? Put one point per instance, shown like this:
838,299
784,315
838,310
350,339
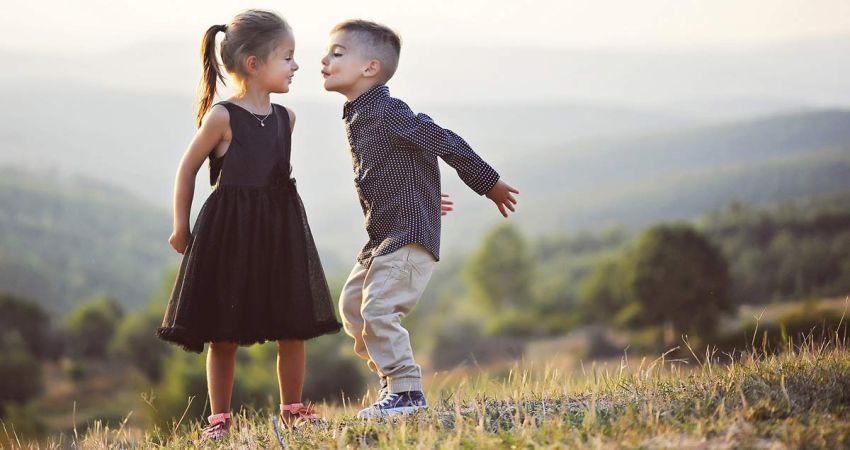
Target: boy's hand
445,205
501,194
179,240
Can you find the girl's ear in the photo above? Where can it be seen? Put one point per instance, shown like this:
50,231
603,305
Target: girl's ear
251,64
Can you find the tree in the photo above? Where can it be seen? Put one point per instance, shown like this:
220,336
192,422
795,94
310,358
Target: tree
678,279
91,326
603,293
30,321
500,271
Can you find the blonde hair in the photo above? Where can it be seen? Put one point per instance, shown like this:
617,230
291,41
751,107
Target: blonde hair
375,41
254,32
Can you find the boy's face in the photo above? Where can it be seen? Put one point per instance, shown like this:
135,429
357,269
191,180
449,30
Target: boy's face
343,67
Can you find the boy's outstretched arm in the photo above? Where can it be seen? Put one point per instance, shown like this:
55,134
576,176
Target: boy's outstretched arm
419,132
502,196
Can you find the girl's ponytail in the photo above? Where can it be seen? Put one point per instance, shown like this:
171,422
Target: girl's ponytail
212,72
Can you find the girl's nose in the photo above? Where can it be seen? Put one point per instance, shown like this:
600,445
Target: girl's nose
325,61
295,64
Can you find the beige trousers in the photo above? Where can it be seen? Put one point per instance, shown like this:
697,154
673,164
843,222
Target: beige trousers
372,304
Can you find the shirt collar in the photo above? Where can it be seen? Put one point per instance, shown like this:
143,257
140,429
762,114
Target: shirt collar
365,99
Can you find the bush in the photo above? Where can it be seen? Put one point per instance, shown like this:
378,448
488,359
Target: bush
19,370
136,342
808,322
91,326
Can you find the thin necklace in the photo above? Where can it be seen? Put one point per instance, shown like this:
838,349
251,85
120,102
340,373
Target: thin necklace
262,121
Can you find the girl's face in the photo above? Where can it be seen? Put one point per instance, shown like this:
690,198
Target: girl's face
277,71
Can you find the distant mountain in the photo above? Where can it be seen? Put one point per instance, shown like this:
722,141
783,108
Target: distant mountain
662,176
63,240
622,160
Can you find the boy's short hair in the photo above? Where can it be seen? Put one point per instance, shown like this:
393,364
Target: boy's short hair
376,41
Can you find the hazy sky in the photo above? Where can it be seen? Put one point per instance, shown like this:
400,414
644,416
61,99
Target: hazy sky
93,25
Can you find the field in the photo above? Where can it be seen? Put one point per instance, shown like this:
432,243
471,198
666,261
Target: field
798,397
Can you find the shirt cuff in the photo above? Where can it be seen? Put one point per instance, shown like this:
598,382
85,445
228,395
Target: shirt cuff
484,181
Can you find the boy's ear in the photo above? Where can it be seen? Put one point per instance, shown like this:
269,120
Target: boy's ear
372,68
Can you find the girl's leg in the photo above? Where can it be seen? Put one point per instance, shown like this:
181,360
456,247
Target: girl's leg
290,370
221,364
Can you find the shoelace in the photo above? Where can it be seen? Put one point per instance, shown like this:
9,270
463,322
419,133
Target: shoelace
219,426
301,413
387,400
215,431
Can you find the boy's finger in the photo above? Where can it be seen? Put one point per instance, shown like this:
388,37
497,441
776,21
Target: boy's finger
502,209
511,198
510,206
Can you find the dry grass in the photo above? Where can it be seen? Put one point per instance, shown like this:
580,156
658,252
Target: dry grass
798,398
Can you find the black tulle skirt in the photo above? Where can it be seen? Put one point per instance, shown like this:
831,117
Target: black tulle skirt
250,274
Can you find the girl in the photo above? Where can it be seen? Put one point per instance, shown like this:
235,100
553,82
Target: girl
250,271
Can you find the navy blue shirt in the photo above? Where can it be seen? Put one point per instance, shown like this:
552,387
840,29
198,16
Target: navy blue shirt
394,153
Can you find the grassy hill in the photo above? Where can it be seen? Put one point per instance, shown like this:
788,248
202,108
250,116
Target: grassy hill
66,239
797,399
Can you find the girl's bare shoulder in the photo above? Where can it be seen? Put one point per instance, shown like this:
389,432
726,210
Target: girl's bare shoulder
218,117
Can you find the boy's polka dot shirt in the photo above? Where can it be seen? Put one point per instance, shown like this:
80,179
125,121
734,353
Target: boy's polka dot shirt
394,153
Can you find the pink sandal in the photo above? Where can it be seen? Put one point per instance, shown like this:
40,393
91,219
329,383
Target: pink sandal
218,428
300,415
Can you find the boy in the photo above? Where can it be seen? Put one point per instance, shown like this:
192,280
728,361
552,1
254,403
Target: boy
394,153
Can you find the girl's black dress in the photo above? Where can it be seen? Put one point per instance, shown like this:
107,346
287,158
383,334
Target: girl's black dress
251,272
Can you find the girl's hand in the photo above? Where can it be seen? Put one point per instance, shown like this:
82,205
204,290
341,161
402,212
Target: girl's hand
179,240
445,205
502,196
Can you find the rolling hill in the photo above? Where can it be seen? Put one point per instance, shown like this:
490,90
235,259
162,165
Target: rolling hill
64,239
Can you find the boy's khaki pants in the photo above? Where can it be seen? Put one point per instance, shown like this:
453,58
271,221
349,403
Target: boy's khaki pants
372,304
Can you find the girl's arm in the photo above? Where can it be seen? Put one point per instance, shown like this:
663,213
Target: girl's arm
212,131
291,119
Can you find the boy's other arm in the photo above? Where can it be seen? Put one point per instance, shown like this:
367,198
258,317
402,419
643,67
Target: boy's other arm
446,205
420,132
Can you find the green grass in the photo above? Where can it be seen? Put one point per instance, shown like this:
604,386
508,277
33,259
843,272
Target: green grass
797,399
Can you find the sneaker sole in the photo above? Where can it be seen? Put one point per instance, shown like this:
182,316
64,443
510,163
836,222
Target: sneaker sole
390,412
